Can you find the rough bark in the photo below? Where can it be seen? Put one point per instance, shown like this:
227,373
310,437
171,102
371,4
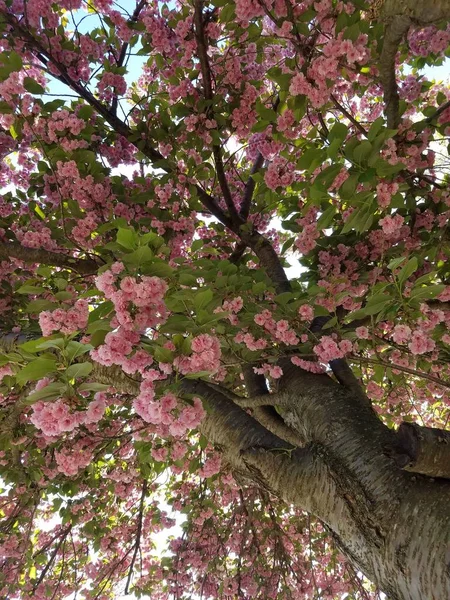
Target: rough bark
398,16
392,524
46,257
424,450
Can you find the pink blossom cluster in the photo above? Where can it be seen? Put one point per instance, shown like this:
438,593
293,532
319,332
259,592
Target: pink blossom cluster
4,371
205,356
248,9
232,306
251,343
306,241
424,40
317,94
110,85
211,466
279,173
352,52
120,152
83,229
170,417
328,349
35,239
411,87
374,391
162,39
55,418
12,86
244,116
308,365
401,334
72,460
306,312
385,191
280,330
391,225
117,347
362,333
419,342
66,321
138,306
61,127
267,369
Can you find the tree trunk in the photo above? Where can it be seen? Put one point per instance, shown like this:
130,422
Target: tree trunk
392,524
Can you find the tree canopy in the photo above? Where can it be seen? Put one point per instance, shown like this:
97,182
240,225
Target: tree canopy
225,296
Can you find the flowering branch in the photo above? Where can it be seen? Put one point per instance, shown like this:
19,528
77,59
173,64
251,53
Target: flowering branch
396,367
202,46
123,52
138,535
398,18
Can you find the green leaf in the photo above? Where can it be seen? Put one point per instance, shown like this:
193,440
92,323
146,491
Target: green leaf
428,292
196,245
79,370
140,256
40,344
33,86
30,289
408,269
127,238
198,375
57,343
259,288
159,269
49,392
202,299
310,159
36,369
362,151
187,279
75,349
396,262
176,324
163,355
37,306
284,298
348,188
102,310
375,129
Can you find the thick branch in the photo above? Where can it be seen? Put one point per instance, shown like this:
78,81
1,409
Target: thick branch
423,450
344,374
117,124
398,17
252,450
250,187
269,259
45,257
257,242
394,33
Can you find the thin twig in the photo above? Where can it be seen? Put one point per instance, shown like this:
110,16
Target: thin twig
138,535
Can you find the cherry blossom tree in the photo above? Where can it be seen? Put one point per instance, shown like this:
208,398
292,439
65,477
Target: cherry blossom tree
225,295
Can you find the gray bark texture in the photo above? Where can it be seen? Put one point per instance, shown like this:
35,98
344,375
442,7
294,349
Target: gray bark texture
347,470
